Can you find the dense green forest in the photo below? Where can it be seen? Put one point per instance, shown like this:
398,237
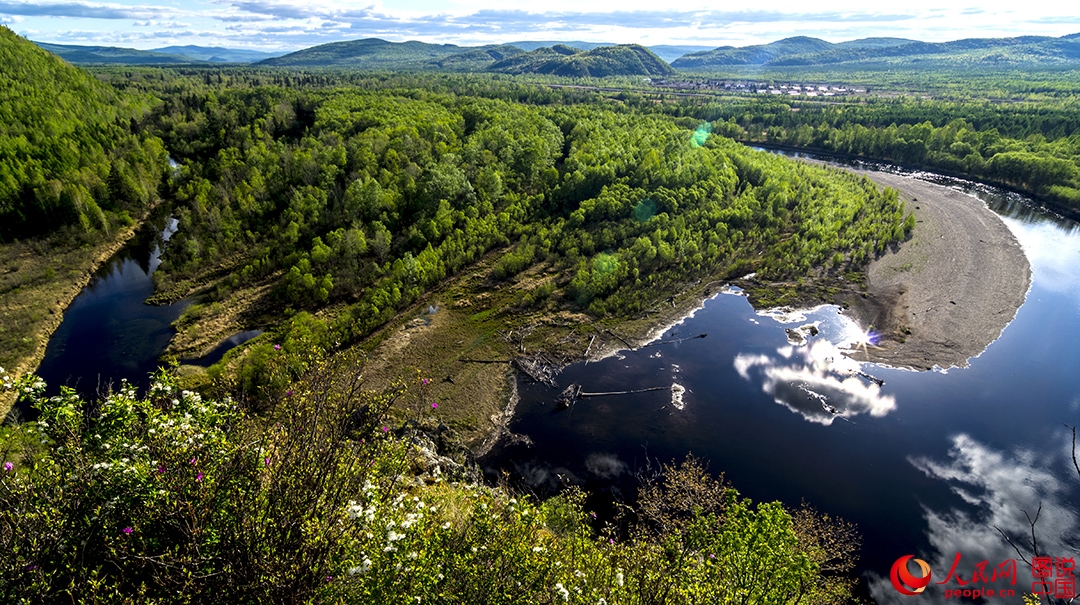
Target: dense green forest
72,152
1034,148
366,199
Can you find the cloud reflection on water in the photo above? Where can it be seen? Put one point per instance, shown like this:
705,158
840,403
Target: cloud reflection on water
816,381
996,489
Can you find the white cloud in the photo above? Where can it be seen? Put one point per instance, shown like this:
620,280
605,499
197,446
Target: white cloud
489,21
816,381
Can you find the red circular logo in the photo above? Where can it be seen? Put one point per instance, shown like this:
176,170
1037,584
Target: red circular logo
903,581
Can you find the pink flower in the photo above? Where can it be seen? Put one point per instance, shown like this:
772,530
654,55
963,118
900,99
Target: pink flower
434,405
194,461
288,393
161,470
425,381
198,478
277,347
127,531
386,429
266,462
8,466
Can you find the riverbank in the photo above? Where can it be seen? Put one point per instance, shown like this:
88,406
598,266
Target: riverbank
38,280
943,296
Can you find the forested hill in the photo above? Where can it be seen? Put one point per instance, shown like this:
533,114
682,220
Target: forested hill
70,153
805,51
562,60
374,53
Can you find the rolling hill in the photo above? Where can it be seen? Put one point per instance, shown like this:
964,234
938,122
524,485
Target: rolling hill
804,51
105,55
373,53
169,55
562,60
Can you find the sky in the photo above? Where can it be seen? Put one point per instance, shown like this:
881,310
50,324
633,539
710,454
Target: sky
294,24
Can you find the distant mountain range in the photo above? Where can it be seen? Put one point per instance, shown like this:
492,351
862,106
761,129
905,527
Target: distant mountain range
803,51
170,55
595,59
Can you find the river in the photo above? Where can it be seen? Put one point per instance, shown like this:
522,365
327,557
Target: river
927,464
108,334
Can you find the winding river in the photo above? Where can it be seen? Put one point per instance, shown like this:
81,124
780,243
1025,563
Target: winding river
927,464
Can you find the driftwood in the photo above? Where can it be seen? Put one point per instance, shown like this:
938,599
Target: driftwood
589,348
674,340
580,394
538,366
873,379
569,396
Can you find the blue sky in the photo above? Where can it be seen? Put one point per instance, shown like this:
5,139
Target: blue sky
294,24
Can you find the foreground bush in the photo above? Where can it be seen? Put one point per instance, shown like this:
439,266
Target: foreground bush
170,498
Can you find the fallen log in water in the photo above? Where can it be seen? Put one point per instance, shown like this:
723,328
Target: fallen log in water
667,342
630,392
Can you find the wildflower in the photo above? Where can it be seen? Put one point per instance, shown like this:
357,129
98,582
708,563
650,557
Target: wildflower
538,549
425,381
434,405
277,347
266,462
619,578
288,393
386,429
8,466
563,592
127,531
198,478
161,469
194,461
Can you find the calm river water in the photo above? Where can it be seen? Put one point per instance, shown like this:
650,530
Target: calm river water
927,464
108,334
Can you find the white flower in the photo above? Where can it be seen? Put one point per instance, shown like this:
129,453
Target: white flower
619,578
446,525
563,592
538,549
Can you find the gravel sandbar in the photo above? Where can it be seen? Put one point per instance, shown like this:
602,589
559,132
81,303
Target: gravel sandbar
944,295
